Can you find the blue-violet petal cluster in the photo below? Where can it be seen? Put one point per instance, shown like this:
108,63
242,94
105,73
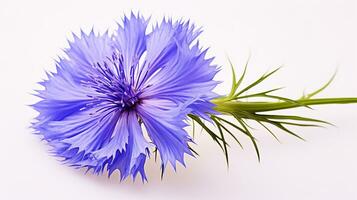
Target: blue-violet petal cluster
116,97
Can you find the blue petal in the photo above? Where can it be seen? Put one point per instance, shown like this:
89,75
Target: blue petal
164,124
178,71
86,51
132,159
94,142
64,93
130,41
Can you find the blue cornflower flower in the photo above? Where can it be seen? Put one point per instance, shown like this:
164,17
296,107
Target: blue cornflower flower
109,88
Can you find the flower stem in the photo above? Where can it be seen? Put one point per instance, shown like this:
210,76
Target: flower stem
227,107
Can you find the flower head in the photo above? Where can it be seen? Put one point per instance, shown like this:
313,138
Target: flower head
107,89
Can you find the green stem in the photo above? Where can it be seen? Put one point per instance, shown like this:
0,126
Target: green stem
226,107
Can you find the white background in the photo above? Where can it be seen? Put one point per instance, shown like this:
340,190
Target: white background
310,38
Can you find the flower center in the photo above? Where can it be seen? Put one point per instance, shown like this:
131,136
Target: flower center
111,86
128,99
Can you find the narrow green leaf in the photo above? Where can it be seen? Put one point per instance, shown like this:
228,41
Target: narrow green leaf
258,94
244,73
286,100
193,151
270,131
193,129
235,126
228,131
155,154
286,130
222,136
294,118
251,138
234,81
261,79
309,96
209,131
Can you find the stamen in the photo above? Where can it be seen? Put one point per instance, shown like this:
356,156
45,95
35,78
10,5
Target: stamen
111,86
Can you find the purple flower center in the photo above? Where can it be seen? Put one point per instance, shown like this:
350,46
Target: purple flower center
129,99
112,86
